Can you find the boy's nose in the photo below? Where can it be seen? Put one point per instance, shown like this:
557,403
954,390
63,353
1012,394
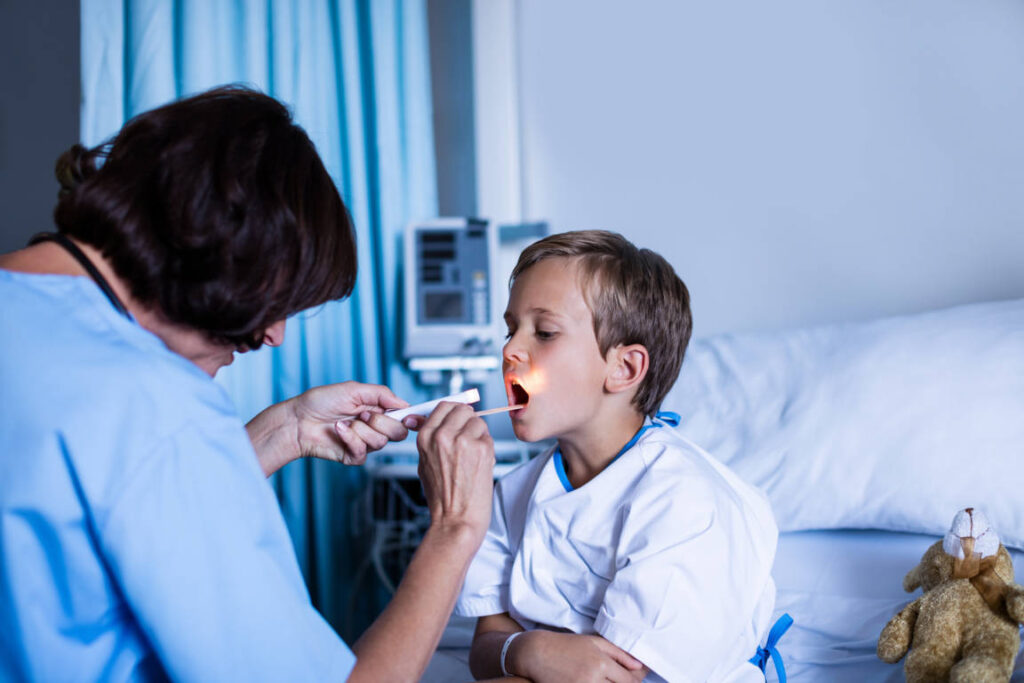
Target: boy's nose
512,353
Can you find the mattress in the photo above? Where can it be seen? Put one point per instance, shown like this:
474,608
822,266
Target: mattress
840,587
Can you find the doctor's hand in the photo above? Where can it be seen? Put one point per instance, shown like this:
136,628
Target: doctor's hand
457,469
311,425
543,656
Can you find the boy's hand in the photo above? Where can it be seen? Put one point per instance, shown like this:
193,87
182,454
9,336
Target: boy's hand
549,656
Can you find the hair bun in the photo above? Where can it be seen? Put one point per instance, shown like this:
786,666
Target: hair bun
74,166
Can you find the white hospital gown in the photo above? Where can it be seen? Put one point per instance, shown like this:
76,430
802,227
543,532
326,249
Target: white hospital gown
666,553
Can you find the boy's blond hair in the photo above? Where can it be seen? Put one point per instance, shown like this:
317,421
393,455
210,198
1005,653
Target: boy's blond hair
635,297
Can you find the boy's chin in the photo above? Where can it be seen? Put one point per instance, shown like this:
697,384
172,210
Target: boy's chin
526,433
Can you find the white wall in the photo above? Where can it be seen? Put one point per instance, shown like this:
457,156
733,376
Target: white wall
797,162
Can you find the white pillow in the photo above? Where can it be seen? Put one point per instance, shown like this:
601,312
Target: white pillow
891,424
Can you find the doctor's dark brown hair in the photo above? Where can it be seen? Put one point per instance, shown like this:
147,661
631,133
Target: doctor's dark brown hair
635,297
215,209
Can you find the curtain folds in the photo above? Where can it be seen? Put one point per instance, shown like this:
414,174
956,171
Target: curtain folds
356,76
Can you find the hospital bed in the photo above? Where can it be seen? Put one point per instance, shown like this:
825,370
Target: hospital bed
867,438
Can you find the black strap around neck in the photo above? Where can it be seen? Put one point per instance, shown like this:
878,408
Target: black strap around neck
94,272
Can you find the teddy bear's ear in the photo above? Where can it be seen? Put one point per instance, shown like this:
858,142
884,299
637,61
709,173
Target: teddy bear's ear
933,569
939,569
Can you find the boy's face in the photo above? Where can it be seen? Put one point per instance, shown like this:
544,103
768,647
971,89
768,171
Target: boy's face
551,353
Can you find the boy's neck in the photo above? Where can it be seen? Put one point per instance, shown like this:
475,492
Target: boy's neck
585,454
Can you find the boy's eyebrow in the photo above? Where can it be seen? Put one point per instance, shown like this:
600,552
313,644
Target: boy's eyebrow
535,310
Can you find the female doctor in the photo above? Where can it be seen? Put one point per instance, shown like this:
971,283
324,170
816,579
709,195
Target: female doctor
139,539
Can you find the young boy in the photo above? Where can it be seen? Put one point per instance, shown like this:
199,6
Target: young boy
625,551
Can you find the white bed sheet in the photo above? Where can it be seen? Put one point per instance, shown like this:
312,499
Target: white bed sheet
840,587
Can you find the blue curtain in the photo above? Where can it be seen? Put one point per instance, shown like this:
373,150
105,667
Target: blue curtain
356,76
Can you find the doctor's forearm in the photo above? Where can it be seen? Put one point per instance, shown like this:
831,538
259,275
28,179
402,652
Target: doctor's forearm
399,644
274,436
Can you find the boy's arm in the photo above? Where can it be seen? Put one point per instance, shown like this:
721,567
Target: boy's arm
717,534
485,653
541,655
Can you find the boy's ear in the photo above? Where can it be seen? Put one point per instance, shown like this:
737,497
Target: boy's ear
627,367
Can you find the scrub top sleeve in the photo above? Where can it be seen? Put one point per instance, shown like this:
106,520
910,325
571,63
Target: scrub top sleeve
671,603
485,590
196,543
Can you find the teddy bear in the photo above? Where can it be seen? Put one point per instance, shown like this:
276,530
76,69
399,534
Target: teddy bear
964,627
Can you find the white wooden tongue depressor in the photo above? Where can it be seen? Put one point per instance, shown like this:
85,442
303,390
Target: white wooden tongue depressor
426,408
503,409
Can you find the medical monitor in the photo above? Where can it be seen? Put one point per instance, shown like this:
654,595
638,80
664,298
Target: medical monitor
450,288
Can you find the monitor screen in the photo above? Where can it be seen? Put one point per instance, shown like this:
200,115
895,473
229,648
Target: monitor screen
443,306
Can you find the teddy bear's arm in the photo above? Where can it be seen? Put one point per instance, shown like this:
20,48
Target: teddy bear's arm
895,639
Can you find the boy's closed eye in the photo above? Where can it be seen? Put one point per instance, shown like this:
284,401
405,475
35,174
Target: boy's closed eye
543,335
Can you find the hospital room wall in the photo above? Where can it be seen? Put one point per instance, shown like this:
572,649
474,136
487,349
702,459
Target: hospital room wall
39,103
798,162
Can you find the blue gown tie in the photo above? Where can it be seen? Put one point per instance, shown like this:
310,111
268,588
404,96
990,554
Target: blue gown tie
760,660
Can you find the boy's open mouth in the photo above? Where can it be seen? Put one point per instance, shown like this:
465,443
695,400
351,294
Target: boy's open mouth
519,395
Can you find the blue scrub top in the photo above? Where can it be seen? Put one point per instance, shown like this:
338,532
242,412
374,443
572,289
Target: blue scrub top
139,539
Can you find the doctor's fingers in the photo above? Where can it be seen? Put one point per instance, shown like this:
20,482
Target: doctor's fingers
390,428
357,440
374,438
457,433
444,411
457,465
449,427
